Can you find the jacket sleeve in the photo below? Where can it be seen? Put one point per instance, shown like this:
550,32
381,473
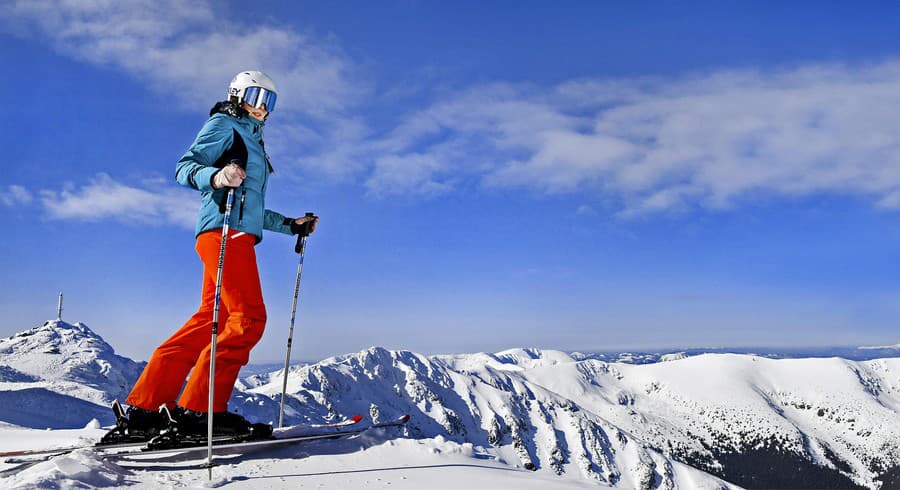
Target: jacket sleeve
273,221
195,169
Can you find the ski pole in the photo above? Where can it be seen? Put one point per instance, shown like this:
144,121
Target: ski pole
300,248
229,201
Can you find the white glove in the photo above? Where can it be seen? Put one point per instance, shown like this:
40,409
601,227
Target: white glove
230,176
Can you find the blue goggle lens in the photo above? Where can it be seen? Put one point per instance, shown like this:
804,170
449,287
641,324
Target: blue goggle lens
259,97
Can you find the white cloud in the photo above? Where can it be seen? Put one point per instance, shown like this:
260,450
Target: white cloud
890,201
409,174
191,49
715,140
16,195
105,198
341,152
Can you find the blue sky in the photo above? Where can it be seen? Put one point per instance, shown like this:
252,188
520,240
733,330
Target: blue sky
590,176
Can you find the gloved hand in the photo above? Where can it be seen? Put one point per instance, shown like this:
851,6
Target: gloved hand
304,225
229,176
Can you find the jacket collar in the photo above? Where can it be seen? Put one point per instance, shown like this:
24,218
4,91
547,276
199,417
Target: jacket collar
251,123
254,125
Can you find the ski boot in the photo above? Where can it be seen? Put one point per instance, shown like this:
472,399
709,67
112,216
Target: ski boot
133,425
189,428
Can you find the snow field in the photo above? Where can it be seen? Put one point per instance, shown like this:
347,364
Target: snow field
368,461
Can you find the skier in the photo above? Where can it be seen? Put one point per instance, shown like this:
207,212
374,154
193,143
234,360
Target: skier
228,153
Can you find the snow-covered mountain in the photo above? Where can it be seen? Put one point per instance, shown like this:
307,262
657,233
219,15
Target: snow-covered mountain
754,421
485,400
60,375
758,422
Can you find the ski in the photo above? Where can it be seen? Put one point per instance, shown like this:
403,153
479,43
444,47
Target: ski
225,444
291,431
288,435
11,456
331,430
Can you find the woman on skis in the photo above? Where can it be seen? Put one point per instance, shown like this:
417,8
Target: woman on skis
228,153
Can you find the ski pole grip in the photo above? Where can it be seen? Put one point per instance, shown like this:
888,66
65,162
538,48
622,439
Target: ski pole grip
239,163
304,232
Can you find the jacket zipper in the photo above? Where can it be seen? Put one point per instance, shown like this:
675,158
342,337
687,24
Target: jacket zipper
241,212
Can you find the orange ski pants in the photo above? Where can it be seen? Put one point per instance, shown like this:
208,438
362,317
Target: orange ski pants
242,319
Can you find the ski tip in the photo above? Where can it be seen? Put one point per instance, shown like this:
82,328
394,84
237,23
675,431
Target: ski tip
356,418
404,419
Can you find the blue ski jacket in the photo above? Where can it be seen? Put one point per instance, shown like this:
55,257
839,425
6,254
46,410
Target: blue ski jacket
225,137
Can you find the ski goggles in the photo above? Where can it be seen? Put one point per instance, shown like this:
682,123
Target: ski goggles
258,97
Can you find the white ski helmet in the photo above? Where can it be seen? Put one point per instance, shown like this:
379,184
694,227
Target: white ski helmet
254,88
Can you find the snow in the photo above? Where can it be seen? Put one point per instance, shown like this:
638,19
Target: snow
364,462
78,469
373,460
15,438
480,420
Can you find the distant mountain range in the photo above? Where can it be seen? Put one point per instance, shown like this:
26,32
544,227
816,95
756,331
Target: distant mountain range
627,420
862,353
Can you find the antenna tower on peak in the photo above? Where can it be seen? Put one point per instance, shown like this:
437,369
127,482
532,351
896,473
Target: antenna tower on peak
59,307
